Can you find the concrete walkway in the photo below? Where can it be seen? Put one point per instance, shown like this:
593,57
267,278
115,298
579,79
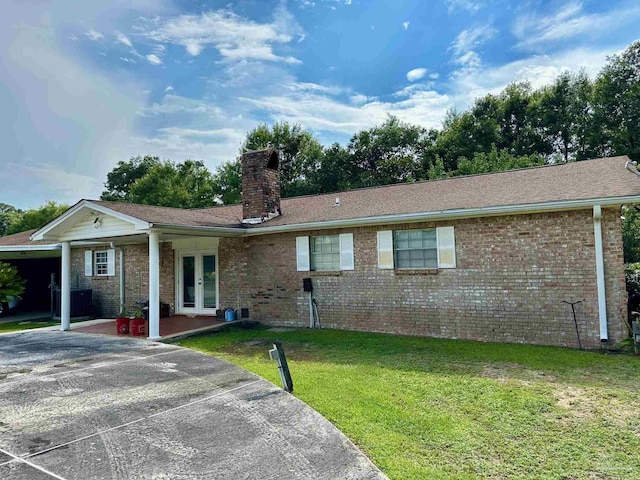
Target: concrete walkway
79,406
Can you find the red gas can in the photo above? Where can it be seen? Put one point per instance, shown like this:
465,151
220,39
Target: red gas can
138,327
122,326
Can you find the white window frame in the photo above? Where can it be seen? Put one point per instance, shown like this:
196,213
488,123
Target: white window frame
334,239
395,249
97,265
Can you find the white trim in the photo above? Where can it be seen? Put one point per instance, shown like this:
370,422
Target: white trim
600,280
198,308
385,245
346,251
446,241
41,233
154,286
303,254
30,248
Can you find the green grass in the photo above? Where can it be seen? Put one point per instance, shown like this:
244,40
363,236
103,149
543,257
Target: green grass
444,409
15,326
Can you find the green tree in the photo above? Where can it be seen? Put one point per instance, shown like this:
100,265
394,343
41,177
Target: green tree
180,185
616,104
496,161
227,182
124,175
631,234
563,111
11,284
388,153
36,217
335,171
8,215
299,151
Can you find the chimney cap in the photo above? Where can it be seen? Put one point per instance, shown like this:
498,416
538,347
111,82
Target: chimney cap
268,157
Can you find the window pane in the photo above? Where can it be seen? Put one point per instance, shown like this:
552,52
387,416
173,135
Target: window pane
189,282
416,248
209,280
325,253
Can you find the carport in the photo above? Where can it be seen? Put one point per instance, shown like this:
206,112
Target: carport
36,262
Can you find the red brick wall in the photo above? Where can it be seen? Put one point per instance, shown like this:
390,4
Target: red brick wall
106,290
260,185
512,274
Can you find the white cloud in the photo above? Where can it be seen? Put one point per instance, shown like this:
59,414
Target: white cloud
533,30
360,99
416,74
434,75
326,114
405,25
127,60
538,70
93,35
471,6
169,89
234,37
153,59
122,38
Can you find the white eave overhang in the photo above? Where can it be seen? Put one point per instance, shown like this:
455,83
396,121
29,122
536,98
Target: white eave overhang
44,233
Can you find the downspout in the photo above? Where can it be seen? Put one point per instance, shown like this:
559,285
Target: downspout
602,296
122,298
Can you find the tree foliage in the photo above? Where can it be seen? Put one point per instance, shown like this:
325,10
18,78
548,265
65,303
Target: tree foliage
11,284
35,217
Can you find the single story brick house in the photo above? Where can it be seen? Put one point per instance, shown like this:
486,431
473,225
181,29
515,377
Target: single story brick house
484,257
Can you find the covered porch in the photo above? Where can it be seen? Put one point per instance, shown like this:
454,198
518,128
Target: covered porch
169,327
128,260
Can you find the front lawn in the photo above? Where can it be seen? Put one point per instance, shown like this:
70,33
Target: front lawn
15,326
423,408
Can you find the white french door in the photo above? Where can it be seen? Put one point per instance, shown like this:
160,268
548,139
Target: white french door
197,283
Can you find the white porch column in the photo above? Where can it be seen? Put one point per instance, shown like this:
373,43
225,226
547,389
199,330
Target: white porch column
154,285
602,297
65,286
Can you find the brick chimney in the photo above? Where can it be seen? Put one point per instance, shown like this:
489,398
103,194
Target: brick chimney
260,184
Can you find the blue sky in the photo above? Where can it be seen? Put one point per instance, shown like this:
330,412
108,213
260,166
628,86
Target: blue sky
84,85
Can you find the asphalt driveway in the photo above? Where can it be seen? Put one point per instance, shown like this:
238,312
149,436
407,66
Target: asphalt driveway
78,406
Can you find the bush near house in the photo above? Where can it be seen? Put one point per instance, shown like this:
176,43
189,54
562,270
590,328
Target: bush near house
11,284
446,409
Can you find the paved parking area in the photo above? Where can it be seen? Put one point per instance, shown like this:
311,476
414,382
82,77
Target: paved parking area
79,406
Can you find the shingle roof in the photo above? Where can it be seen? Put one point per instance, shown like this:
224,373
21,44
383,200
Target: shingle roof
590,179
224,216
22,238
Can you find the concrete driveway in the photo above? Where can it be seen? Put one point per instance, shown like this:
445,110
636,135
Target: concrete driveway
78,406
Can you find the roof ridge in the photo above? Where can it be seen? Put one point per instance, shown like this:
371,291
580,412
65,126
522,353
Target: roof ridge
419,182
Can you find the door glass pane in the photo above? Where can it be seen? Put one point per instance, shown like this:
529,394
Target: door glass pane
188,282
209,280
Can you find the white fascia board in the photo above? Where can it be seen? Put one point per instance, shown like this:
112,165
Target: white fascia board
218,231
30,248
41,234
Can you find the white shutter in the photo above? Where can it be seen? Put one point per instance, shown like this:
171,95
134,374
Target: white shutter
385,249
346,251
302,253
88,263
446,247
111,262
